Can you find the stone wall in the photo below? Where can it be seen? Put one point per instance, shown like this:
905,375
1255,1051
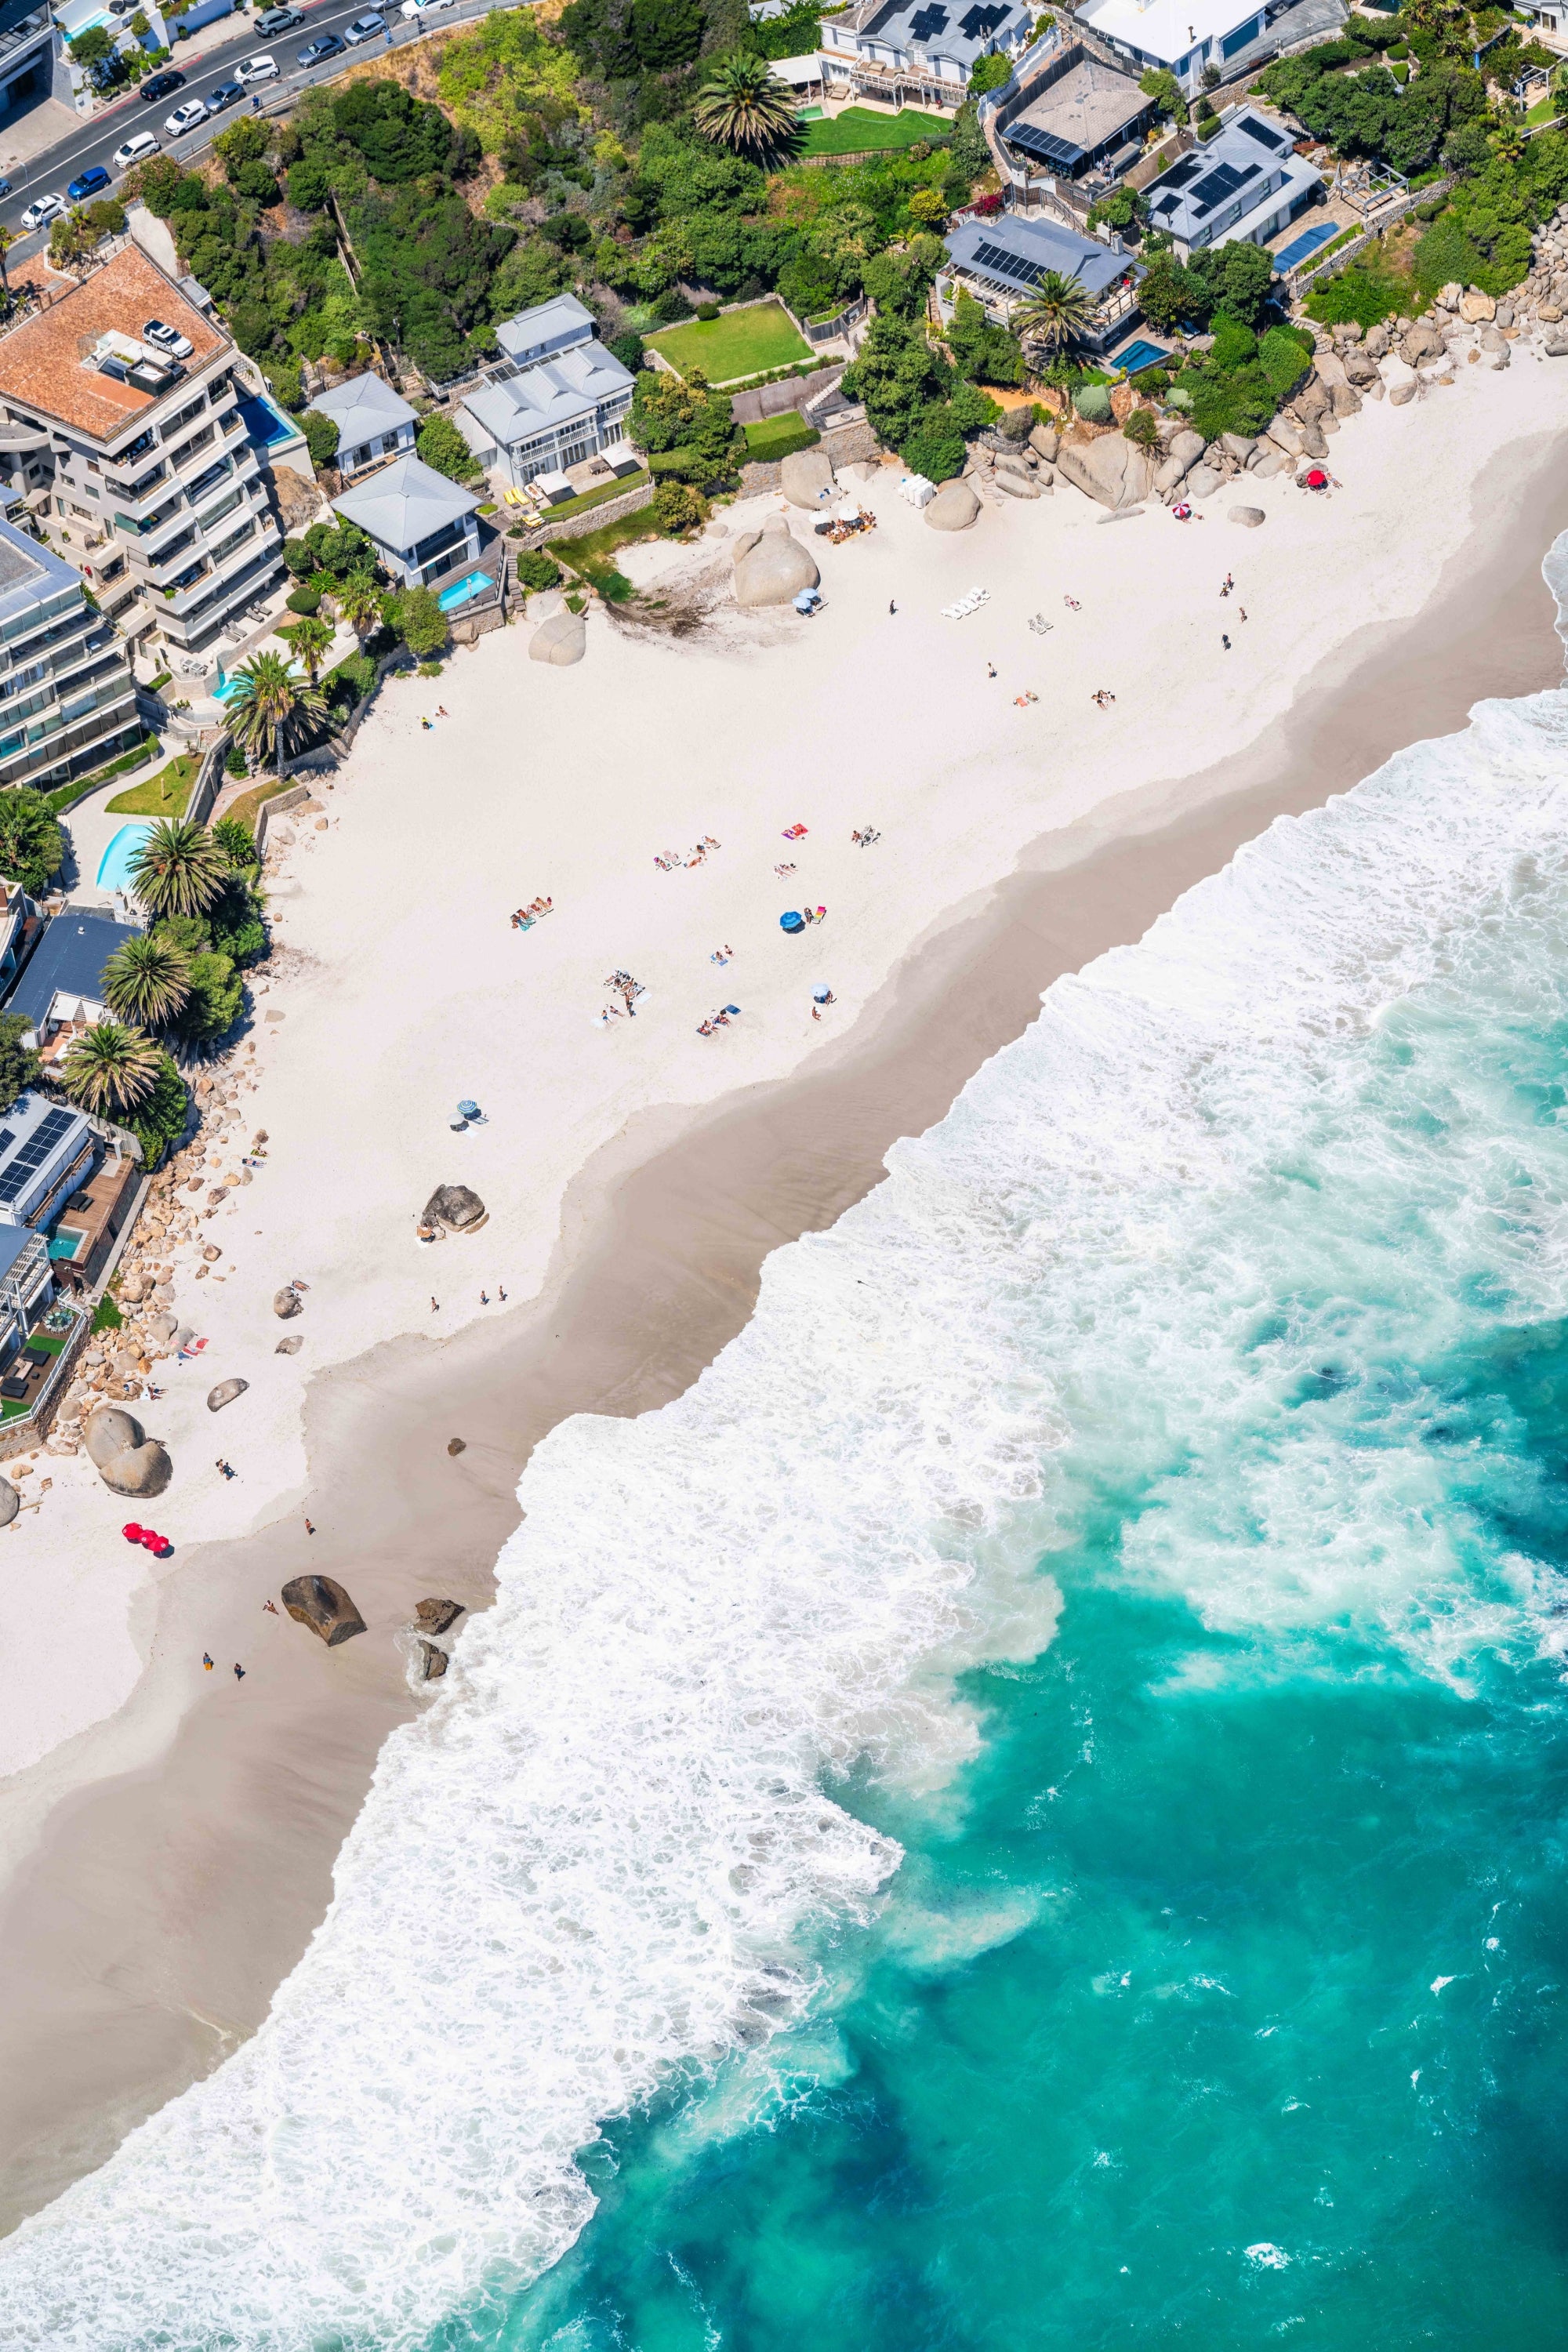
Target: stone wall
578,526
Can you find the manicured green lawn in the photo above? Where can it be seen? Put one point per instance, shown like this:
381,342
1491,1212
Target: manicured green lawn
599,498
1545,110
743,342
857,129
164,794
248,807
777,437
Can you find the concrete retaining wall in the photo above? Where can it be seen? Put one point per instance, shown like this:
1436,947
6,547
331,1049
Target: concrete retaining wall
578,526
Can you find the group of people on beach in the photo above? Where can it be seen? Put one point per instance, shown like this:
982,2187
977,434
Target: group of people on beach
667,859
524,918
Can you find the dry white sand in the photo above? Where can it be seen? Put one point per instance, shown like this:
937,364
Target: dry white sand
401,986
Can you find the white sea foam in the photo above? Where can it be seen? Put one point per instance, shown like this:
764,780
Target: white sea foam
603,1852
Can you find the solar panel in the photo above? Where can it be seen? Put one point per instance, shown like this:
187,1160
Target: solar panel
1221,183
1265,136
34,1152
1045,142
8,1138
1180,173
1009,265
981,22
925,22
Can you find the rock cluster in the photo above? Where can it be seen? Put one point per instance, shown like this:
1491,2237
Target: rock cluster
998,468
126,1459
771,567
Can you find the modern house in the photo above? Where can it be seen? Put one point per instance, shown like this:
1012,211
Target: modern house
133,452
1246,183
917,52
1074,117
555,400
373,422
1186,37
26,1288
1001,261
46,1150
423,525
60,991
67,701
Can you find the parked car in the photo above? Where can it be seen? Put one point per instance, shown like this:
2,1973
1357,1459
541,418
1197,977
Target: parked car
425,7
316,52
276,20
185,118
5,187
363,28
91,183
226,94
167,338
250,70
44,209
136,149
159,85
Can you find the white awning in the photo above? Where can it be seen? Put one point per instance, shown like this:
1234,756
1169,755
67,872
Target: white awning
799,72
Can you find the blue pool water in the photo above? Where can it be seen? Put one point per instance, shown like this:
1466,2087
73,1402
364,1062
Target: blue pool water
1290,256
1140,354
264,423
464,591
114,866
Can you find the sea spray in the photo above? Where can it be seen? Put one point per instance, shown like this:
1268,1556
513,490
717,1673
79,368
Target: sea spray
605,1854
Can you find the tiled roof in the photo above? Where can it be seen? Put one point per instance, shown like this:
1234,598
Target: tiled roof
44,362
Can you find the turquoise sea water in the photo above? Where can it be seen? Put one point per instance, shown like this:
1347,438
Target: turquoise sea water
1029,1806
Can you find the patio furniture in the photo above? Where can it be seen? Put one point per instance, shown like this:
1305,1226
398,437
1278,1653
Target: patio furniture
13,1390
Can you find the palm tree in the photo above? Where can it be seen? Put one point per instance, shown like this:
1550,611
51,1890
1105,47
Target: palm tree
179,869
743,105
270,709
147,980
110,1068
309,639
358,599
1059,312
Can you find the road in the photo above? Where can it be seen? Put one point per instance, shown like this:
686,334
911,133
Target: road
96,140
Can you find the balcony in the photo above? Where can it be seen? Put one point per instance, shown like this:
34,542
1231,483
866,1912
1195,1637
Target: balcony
209,479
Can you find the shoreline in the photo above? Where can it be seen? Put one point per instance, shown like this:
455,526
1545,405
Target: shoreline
149,1926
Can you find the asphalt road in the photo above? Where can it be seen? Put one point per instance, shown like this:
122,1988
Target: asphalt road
52,172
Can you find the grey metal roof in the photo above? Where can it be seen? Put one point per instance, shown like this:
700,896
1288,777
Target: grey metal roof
514,402
29,573
547,322
1239,161
362,408
404,502
960,29
68,960
1014,254
14,1240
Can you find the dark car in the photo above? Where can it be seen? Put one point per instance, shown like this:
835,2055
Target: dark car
317,52
278,20
87,184
159,85
228,93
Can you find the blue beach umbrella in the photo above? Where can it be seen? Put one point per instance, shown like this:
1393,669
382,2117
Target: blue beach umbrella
792,923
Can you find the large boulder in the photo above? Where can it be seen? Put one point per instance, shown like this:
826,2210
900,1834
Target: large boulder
1239,446
771,566
225,1393
1114,472
1045,441
1249,518
1015,483
320,1602
1422,341
140,1470
456,1207
109,1432
434,1661
1203,481
1312,398
286,1304
1556,347
1286,435
436,1616
806,478
1275,462
954,508
562,640
10,1502
1475,306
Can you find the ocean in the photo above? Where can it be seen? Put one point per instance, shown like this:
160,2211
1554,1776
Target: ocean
1028,1806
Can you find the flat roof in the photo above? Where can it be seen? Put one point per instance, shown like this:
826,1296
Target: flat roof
46,361
1014,254
1168,29
1090,104
33,1132
404,503
68,960
14,1241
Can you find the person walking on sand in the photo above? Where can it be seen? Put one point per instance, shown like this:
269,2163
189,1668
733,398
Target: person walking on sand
892,603
239,1671
1243,612
501,1292
989,669
1224,640
206,1662
272,1605
309,1526
484,1298
434,1307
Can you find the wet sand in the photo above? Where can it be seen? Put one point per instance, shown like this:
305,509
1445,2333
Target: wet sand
151,1912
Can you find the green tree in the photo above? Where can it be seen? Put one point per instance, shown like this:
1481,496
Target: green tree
900,278
536,569
985,353
1173,296
178,869
358,598
110,1069
898,376
442,448
677,506
93,49
269,710
743,105
1238,277
32,845
1057,314
1166,92
320,437
215,1000
310,640
415,616
146,982
935,448
989,73
666,33
19,1065
159,1119
237,843
670,416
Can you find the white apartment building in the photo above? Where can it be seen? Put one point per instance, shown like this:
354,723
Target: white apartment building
67,701
1187,37
132,453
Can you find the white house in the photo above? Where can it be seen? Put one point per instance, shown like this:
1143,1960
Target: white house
1185,36
45,1149
557,398
1245,185
919,52
423,525
373,422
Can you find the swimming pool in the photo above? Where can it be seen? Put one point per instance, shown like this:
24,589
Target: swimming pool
1140,354
114,866
1289,256
264,425
474,585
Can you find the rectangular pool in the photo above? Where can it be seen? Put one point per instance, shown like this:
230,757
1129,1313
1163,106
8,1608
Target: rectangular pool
1291,256
1138,355
464,591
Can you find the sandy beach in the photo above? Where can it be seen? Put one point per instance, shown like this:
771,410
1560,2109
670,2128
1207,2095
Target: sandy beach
168,1835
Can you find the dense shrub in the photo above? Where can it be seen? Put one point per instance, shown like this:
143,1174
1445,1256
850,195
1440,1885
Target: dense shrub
444,450
935,448
537,570
677,506
1364,293
304,601
320,436
158,1123
1092,402
1140,428
31,843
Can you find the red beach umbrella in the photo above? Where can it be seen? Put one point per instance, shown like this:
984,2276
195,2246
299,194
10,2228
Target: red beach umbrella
132,1532
1317,479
